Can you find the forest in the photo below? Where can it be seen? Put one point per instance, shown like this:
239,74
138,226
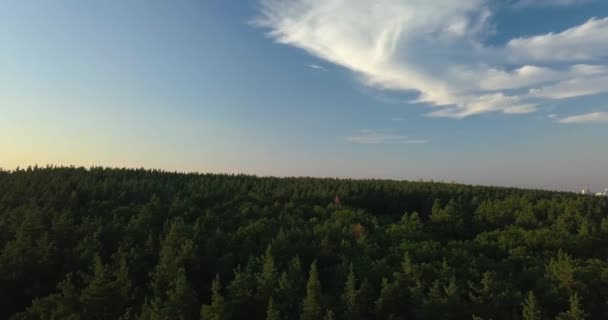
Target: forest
107,243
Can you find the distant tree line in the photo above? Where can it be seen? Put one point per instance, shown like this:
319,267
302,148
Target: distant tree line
104,243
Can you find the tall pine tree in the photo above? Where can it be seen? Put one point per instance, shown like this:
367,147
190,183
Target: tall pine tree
268,277
311,306
350,296
272,313
531,310
575,312
217,309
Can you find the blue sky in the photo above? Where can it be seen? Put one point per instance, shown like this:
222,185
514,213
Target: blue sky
484,92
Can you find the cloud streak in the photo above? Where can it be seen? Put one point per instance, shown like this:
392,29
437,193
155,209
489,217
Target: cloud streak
549,3
436,49
594,117
366,136
317,67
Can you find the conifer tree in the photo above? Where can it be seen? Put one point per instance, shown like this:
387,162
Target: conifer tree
311,305
296,274
267,278
575,312
386,301
181,300
272,313
239,293
67,301
350,296
217,309
531,310
98,297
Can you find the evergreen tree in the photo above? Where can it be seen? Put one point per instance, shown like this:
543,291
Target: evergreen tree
531,310
387,303
122,279
99,297
311,305
239,294
296,273
575,312
272,313
267,278
181,302
350,296
561,269
217,309
63,305
288,297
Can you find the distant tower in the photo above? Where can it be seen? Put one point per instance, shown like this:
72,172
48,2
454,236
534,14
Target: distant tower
586,191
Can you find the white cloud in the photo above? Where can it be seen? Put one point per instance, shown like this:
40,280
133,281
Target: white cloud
550,3
366,136
435,48
586,42
575,87
317,67
595,117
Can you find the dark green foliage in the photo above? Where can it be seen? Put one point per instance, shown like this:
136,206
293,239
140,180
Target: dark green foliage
217,309
138,244
351,296
530,310
272,313
267,278
311,306
575,312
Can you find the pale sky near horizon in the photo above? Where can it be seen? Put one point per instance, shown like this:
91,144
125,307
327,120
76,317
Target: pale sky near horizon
491,92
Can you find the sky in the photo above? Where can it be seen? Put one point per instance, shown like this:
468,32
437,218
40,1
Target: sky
509,93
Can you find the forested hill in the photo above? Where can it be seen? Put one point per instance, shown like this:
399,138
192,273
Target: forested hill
136,244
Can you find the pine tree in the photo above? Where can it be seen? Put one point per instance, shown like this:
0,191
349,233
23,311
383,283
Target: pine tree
386,303
311,305
217,309
122,279
531,310
68,302
272,313
288,297
181,300
561,269
99,296
239,294
452,299
575,312
267,279
296,274
408,270
350,296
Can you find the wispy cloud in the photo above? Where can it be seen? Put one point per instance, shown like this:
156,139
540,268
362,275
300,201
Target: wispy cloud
398,119
366,136
317,67
436,49
586,42
594,117
549,3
